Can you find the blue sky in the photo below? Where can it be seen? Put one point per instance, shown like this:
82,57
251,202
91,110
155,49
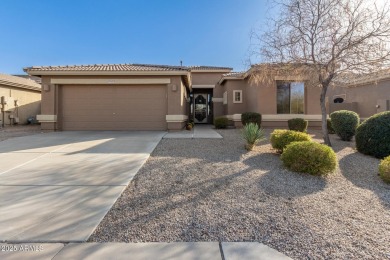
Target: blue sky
67,32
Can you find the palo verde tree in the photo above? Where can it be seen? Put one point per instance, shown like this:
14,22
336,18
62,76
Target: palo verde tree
330,40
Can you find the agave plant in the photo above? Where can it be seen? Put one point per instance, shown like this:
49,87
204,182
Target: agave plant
252,134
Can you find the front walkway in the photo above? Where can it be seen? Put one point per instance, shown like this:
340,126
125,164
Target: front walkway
199,131
135,251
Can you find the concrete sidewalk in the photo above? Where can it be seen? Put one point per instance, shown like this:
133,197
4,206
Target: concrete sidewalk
199,131
135,251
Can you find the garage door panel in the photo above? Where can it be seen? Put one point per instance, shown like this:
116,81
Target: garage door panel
113,107
99,126
152,104
110,118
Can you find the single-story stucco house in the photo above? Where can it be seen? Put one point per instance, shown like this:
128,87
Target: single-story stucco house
20,99
366,95
161,97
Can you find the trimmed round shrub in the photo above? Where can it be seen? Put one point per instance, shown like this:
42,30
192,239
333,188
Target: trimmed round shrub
309,157
329,126
298,124
221,122
251,117
373,135
344,123
281,138
384,169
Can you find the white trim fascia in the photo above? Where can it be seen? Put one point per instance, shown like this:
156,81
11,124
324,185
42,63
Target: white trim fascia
217,100
203,86
103,72
110,81
176,118
286,117
47,118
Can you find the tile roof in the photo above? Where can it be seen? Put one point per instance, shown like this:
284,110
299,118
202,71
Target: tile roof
208,68
34,78
108,67
20,82
353,79
123,67
237,74
233,75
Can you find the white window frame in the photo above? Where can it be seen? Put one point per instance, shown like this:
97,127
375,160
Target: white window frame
225,99
234,96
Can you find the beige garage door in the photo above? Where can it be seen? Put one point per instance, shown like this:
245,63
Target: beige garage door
113,107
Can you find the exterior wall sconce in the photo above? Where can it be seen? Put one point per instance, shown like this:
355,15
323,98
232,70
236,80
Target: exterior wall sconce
46,87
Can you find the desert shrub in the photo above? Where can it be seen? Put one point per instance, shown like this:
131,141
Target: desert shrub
281,138
252,134
221,122
373,135
309,157
344,123
384,169
329,126
251,117
298,124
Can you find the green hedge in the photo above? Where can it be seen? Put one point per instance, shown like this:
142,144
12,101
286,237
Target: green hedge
373,135
309,157
251,117
298,124
221,122
344,123
329,126
384,169
281,138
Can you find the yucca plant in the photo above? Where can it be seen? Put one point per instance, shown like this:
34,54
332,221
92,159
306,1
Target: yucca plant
252,134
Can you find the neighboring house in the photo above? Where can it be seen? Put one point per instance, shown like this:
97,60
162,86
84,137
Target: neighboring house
34,78
366,95
160,97
20,99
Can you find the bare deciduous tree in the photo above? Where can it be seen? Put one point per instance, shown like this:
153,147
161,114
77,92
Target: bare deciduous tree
326,39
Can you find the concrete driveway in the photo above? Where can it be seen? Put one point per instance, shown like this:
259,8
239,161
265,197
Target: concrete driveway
57,187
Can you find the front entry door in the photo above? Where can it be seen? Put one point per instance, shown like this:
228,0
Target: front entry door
201,108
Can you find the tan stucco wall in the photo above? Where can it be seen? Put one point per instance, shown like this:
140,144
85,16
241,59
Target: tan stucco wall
261,98
206,78
312,100
29,102
211,79
231,107
366,96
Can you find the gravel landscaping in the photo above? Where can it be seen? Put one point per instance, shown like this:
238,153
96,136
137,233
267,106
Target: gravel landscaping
18,130
213,190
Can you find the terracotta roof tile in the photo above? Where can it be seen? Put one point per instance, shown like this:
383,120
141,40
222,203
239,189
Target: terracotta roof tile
107,67
209,68
234,74
20,82
123,67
